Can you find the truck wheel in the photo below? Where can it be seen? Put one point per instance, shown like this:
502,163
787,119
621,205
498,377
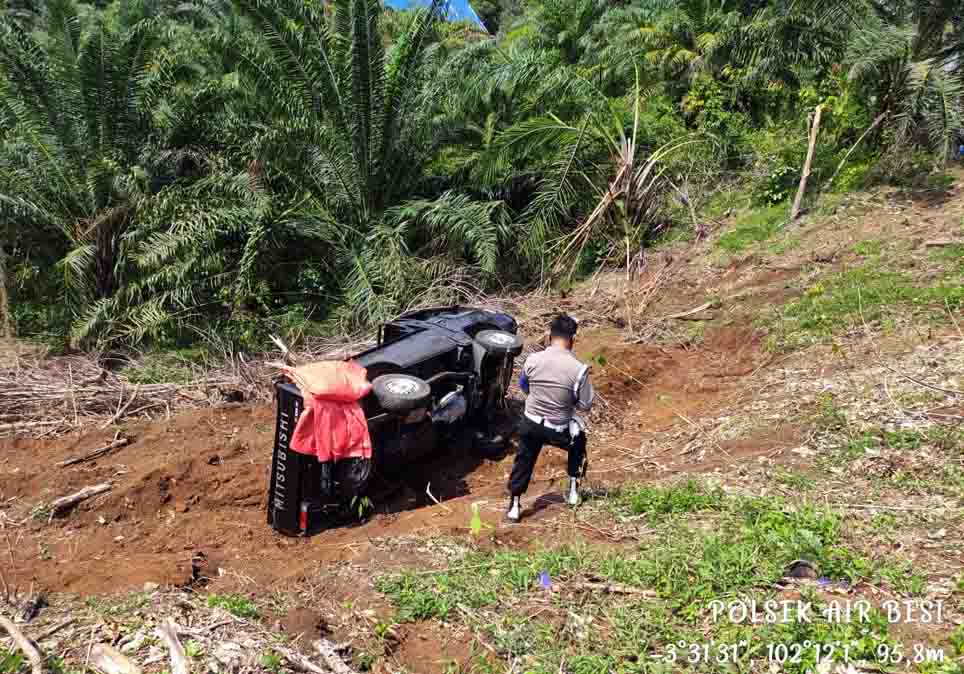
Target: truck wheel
500,342
401,393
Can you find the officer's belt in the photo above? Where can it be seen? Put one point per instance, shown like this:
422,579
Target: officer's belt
541,421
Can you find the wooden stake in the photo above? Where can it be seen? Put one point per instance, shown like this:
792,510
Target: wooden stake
68,502
795,211
27,648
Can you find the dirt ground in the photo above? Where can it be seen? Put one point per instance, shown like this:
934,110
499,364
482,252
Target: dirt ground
189,493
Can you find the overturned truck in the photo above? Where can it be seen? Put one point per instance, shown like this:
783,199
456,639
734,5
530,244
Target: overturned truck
434,373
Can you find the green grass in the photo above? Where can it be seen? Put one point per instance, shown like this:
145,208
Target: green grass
11,662
234,604
118,606
740,550
868,293
166,367
869,248
689,496
753,228
946,439
953,255
784,244
794,480
271,661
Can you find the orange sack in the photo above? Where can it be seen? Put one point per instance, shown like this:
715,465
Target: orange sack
332,425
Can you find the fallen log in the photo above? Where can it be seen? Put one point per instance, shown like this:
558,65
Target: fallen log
303,664
938,243
167,631
95,453
28,649
65,503
683,315
109,661
328,653
29,424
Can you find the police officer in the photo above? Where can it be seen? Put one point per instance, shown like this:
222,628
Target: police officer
556,384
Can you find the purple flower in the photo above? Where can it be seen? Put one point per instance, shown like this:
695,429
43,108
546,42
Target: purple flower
544,580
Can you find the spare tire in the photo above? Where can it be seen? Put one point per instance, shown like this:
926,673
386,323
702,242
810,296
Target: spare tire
401,393
500,342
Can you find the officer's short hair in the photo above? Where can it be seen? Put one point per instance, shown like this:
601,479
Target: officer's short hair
563,326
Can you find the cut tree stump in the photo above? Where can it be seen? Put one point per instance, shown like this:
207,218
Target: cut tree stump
65,503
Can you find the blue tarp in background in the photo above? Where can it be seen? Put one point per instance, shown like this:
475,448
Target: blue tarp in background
454,10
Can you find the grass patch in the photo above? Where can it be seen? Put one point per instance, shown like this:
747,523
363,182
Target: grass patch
749,543
869,248
865,293
753,228
953,255
784,245
795,480
11,661
119,606
234,604
686,497
271,661
739,549
948,440
166,367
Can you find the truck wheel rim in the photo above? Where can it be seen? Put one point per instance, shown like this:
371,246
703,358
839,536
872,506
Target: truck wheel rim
401,387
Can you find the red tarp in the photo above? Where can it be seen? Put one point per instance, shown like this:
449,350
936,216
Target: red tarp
333,425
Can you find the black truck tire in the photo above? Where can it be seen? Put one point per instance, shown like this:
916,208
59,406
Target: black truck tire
401,393
500,342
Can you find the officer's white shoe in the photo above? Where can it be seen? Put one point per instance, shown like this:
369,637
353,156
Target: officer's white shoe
572,497
514,513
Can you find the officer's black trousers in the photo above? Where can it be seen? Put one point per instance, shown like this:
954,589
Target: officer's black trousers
532,437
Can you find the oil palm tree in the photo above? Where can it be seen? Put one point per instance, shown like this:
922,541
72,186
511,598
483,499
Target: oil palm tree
74,164
354,130
677,39
592,158
906,57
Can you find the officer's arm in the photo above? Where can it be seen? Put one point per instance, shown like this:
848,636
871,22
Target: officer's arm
584,392
524,378
524,382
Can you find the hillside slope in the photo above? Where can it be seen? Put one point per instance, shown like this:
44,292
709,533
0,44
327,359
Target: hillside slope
809,377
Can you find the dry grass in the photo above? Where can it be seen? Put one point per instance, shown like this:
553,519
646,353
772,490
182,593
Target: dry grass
42,395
